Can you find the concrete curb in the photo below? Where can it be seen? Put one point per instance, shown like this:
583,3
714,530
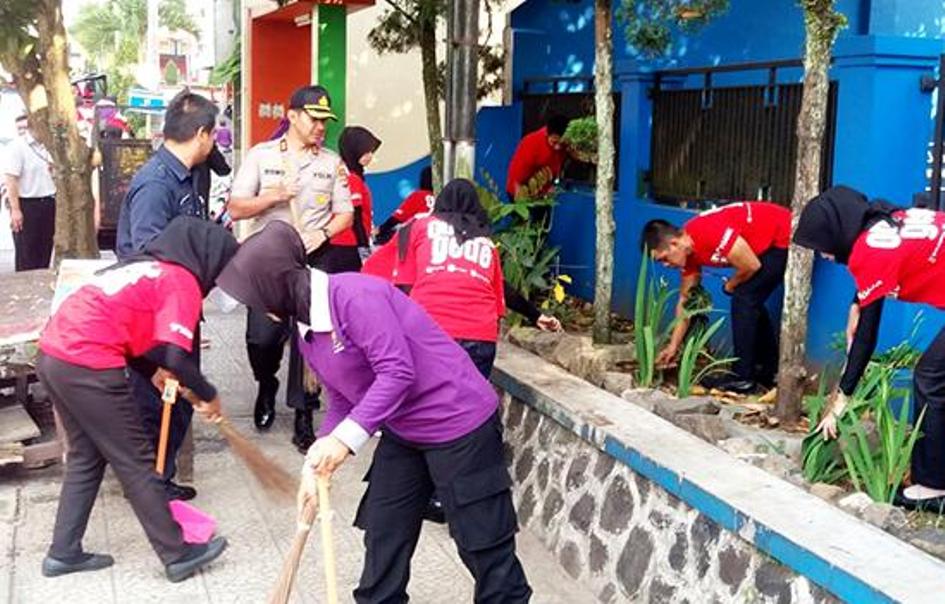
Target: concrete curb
854,560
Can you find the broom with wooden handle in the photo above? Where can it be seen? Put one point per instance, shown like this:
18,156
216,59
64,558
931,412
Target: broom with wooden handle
275,480
290,566
169,396
328,544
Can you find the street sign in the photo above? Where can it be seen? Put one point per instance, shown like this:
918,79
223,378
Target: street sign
145,100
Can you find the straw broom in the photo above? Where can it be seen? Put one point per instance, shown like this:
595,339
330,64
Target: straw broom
290,566
275,480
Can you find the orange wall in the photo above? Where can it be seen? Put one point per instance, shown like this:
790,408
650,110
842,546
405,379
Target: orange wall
281,62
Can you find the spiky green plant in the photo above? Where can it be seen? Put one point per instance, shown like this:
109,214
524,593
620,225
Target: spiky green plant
649,313
696,347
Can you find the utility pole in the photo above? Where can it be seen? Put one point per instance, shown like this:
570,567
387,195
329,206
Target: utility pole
463,65
151,70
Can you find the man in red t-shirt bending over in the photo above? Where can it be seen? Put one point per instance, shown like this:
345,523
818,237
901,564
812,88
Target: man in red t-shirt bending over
750,237
539,154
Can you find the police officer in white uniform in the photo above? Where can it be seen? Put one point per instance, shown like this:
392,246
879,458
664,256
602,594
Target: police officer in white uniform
31,193
293,178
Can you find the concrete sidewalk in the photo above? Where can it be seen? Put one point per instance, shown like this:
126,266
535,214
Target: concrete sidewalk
259,531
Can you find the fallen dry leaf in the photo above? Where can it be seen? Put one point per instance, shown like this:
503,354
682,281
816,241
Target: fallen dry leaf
769,397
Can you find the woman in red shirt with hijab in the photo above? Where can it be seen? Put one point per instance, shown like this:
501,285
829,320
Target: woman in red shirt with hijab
452,268
357,146
143,312
891,252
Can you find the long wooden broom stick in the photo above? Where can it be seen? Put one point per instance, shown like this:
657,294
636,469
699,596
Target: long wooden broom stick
169,397
328,544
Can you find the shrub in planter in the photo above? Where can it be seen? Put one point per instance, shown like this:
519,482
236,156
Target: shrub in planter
581,138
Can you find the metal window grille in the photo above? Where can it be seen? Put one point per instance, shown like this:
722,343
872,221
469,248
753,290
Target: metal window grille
731,143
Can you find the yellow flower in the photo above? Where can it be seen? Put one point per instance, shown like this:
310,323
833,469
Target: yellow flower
565,278
558,293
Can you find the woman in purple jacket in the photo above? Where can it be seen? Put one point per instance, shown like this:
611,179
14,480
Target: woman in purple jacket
385,364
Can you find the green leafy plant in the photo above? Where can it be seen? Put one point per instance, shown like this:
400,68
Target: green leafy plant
581,138
649,313
875,465
230,70
527,260
820,458
650,24
877,468
696,348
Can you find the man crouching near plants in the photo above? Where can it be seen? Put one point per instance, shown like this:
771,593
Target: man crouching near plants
752,238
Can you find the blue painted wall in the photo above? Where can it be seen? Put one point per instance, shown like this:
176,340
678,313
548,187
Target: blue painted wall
883,129
390,188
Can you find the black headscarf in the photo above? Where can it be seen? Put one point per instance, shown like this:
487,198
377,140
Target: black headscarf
269,273
426,179
458,204
200,246
832,221
354,142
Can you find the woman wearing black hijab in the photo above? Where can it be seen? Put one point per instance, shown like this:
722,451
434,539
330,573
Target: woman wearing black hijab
891,252
357,146
451,267
143,312
386,365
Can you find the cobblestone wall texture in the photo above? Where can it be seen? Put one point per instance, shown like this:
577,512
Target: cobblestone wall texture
627,537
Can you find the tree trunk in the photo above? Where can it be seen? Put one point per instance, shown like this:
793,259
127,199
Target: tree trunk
432,98
604,194
822,23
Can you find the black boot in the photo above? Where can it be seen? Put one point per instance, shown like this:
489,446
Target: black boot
265,411
304,432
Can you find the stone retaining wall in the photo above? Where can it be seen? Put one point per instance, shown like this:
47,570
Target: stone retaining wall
626,537
642,511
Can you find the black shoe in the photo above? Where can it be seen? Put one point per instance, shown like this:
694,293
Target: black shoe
434,511
179,491
199,556
932,504
304,432
53,567
729,383
264,413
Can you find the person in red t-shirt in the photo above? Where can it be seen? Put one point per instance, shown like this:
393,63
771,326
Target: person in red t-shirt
891,253
452,268
539,154
142,312
419,202
751,237
357,146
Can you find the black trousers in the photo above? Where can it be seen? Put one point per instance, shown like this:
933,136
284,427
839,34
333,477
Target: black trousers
473,483
265,338
928,456
754,336
33,245
101,421
482,354
151,407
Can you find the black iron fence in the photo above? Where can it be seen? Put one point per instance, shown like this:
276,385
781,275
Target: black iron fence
730,143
